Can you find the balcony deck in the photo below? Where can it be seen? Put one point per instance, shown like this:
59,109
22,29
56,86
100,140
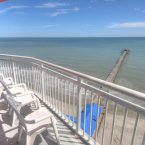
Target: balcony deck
8,135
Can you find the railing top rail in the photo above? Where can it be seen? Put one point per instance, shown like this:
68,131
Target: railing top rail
103,83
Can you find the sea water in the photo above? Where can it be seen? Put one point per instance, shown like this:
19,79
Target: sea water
93,56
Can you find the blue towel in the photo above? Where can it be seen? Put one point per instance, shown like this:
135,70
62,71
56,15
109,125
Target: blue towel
88,120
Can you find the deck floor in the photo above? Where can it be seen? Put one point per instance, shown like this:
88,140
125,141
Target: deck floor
8,135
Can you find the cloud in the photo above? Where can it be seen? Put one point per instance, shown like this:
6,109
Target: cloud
64,11
52,5
139,10
128,25
50,25
12,8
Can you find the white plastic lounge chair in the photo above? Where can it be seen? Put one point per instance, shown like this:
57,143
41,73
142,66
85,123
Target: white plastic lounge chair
33,124
21,100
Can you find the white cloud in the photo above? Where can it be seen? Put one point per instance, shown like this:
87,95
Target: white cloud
128,25
139,10
12,7
50,25
64,11
52,5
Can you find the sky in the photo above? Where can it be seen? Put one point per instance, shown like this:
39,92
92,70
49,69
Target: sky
72,18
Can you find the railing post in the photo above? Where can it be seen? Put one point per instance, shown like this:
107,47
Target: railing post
42,81
13,70
78,104
33,77
143,140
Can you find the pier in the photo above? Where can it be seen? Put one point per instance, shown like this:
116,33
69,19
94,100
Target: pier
110,78
112,75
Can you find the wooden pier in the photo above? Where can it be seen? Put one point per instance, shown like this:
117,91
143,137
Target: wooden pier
110,78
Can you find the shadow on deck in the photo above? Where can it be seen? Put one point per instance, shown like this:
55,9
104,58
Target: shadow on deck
8,135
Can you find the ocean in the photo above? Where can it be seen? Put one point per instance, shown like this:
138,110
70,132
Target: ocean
93,56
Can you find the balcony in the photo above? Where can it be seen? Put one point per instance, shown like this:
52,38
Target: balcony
89,110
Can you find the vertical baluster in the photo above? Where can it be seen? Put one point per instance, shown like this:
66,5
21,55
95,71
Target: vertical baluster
55,92
104,127
78,104
97,118
124,122
134,131
11,74
14,73
37,80
69,93
62,93
91,105
48,79
18,73
4,69
85,103
26,79
42,82
65,95
113,123
46,88
73,103
50,91
24,76
58,94
31,75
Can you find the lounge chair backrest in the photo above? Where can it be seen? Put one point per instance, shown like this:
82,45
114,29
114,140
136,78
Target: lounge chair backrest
5,87
1,76
13,105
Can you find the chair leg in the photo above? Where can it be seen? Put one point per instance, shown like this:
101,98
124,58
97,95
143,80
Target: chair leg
20,131
55,130
14,120
30,139
10,112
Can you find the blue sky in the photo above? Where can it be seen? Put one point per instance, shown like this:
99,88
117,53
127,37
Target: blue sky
72,18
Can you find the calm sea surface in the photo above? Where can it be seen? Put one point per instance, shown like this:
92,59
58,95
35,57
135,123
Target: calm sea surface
93,56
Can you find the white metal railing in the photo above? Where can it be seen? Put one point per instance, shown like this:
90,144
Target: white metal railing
67,92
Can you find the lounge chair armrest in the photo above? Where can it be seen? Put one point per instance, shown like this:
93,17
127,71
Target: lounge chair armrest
32,100
43,118
9,78
19,85
29,121
25,93
38,120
